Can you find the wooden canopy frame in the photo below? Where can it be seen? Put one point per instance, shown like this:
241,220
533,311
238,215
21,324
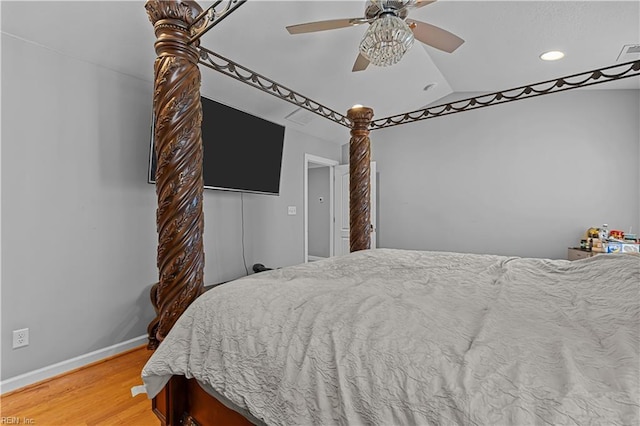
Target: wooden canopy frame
178,26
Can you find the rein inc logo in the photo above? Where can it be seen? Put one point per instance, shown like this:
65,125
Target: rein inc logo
17,421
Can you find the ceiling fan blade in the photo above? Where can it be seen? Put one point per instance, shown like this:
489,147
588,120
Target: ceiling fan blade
331,24
434,36
361,63
421,3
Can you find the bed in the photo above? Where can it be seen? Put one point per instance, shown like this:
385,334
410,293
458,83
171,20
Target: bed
408,337
448,338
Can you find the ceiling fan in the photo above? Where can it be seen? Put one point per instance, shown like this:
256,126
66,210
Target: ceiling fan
387,19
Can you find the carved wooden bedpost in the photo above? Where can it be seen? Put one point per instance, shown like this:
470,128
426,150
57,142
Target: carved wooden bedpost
359,178
178,148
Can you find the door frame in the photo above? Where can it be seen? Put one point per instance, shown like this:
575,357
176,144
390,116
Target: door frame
338,202
309,158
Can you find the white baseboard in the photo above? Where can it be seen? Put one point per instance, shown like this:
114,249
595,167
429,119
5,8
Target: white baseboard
314,258
50,371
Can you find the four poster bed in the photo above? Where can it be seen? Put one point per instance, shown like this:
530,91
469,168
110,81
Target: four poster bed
377,336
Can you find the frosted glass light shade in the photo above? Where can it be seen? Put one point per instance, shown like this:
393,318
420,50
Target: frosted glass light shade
386,40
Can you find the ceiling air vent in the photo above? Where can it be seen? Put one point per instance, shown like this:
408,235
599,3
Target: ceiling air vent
630,52
301,116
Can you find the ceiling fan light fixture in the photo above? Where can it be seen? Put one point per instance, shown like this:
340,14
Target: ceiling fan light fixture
386,41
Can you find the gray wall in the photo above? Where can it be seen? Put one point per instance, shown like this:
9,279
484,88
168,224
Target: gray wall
272,237
319,213
525,178
78,218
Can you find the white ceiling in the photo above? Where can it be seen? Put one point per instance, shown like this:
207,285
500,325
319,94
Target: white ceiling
503,42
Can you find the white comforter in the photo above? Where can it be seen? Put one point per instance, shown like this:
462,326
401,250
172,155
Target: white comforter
398,337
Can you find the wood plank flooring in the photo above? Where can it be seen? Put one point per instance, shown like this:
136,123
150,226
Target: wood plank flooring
98,394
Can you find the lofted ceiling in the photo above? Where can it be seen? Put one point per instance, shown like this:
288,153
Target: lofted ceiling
503,42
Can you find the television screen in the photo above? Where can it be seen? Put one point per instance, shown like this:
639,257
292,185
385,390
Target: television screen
242,152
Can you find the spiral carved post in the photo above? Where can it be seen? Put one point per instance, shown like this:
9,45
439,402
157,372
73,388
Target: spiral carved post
360,179
178,148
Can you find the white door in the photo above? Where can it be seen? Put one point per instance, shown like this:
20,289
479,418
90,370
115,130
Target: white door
341,208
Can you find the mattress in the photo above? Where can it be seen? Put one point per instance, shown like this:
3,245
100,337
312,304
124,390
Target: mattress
386,336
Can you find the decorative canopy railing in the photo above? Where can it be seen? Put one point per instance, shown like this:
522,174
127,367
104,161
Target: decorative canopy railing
260,82
588,78
214,14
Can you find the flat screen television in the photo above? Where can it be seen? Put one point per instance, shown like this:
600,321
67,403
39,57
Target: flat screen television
242,152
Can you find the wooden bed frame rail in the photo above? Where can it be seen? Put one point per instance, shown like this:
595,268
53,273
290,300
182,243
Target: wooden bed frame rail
184,402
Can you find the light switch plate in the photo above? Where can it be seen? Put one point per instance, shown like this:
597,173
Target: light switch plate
292,210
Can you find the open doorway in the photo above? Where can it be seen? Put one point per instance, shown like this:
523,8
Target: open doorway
318,207
341,212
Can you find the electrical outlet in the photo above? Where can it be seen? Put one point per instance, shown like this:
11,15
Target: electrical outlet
20,338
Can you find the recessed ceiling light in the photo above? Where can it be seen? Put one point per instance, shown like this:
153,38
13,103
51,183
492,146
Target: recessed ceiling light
552,55
430,86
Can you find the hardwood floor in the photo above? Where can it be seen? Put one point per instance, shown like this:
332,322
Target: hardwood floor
98,394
